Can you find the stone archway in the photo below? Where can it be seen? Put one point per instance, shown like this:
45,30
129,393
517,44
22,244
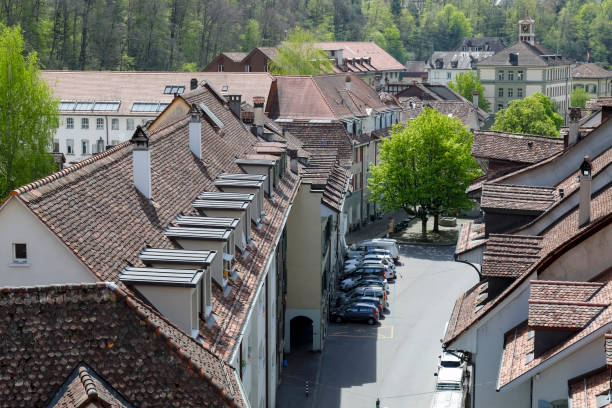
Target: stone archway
301,328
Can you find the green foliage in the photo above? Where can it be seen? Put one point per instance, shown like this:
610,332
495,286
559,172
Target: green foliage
424,167
251,35
28,115
298,56
465,84
579,98
534,114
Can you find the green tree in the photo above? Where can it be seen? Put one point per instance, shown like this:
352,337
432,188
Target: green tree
579,98
424,168
534,114
251,35
298,56
465,84
28,115
394,44
450,27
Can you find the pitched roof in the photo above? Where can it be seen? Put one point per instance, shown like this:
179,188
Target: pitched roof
516,198
246,84
323,135
456,59
415,66
381,60
108,230
471,235
510,255
590,70
462,110
514,147
528,56
139,354
235,56
270,52
494,44
586,390
324,173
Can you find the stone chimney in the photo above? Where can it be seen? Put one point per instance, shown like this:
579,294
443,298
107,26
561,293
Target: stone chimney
347,83
195,131
584,210
235,101
258,110
475,98
141,162
193,84
340,57
574,124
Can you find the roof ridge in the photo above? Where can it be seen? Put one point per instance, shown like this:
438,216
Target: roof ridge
566,283
88,383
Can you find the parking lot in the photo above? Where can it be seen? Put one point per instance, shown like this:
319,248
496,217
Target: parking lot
395,360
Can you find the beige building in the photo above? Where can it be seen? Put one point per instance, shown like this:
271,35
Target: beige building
595,80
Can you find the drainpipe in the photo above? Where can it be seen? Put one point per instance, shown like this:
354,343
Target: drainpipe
106,120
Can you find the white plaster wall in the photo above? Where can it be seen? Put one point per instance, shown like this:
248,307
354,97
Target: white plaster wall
486,74
531,89
201,245
272,346
552,383
49,260
534,74
551,173
175,303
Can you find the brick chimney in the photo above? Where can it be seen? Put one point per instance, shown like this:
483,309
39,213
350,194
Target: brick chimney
584,209
235,101
475,98
258,110
195,131
340,57
141,162
193,84
574,124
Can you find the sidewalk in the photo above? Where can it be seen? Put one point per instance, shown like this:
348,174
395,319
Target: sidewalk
375,229
302,366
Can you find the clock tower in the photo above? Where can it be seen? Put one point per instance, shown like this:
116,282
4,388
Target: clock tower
526,30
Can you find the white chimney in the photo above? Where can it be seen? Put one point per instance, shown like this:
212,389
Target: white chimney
584,209
475,98
258,111
340,57
141,162
574,124
347,83
195,132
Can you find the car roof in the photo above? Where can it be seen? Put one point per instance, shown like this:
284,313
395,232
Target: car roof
450,374
362,304
446,356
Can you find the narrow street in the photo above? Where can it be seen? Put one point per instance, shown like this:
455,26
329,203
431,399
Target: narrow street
396,360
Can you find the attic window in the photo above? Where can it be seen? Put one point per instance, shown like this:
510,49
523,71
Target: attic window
106,106
477,308
148,106
67,105
529,358
84,106
602,399
224,88
530,334
20,254
174,89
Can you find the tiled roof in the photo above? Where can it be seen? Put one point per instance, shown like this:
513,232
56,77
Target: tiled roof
456,59
563,290
528,55
463,110
324,173
139,354
516,198
270,52
330,135
514,147
471,235
601,101
381,60
510,255
608,349
494,44
561,315
85,387
245,84
108,230
415,66
590,70
235,56
584,390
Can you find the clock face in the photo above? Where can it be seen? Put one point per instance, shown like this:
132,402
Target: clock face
525,28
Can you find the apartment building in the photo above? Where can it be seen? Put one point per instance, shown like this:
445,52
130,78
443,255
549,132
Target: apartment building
595,80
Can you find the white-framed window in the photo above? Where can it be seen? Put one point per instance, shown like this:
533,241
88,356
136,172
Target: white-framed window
69,146
510,92
448,75
100,123
519,75
69,123
220,68
519,92
84,146
247,68
510,75
115,124
500,75
20,253
84,123
130,124
500,92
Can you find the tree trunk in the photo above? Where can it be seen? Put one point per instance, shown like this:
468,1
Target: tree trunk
423,226
84,29
436,220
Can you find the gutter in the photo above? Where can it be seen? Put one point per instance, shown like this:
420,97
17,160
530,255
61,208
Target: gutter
456,257
241,389
560,355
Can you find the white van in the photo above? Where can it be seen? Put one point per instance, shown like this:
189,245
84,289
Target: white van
384,243
449,388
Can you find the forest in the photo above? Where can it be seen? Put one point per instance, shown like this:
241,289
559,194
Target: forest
169,35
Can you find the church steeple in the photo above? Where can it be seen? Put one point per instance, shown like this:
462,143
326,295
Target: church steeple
526,28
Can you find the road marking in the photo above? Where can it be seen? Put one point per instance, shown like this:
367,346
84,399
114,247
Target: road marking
381,332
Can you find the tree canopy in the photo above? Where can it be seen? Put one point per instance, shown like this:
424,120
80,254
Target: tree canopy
579,98
28,115
465,84
298,56
534,114
425,167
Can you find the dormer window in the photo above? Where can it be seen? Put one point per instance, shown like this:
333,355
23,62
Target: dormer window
20,254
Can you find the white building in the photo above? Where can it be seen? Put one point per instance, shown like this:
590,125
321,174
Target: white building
444,66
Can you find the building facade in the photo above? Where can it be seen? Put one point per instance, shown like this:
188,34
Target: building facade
524,69
444,66
595,80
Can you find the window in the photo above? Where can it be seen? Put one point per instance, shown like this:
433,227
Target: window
100,123
106,106
510,93
55,145
130,124
69,123
247,68
220,68
20,253
174,89
99,146
500,92
266,68
148,106
500,75
115,124
519,92
69,146
519,75
84,123
510,75
500,107
448,75
84,146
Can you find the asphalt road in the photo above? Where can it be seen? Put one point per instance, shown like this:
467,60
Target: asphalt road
396,360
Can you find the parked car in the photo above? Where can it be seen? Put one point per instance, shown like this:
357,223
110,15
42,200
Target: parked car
367,280
382,243
449,388
377,270
358,312
451,360
386,260
389,272
374,291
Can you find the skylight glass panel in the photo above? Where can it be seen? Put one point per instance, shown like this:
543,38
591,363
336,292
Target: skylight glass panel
84,106
174,89
162,106
224,88
106,106
145,106
67,105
